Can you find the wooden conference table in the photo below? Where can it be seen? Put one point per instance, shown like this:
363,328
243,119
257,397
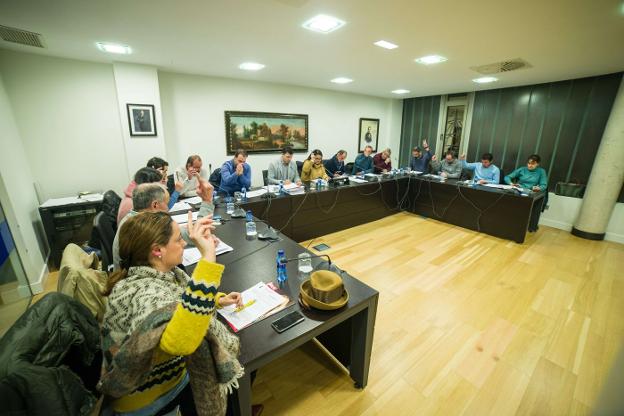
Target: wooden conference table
347,333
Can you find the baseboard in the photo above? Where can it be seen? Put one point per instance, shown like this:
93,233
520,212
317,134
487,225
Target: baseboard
556,224
37,287
616,238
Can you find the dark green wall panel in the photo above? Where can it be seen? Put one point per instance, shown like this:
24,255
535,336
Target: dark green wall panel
420,120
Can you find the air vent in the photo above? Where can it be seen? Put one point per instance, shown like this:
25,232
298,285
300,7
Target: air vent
23,37
505,66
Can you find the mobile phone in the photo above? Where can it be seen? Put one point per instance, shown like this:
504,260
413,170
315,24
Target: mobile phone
287,321
321,247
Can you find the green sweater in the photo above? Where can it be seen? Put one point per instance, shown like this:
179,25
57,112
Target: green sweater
528,178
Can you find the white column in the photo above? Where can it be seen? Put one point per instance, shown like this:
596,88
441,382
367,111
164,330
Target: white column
607,176
138,84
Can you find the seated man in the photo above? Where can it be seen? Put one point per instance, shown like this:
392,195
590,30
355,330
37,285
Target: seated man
313,167
153,197
450,167
534,178
484,171
235,173
364,162
143,175
162,166
285,169
336,165
382,162
189,174
420,160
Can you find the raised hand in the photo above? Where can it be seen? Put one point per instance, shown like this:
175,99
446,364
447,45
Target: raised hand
204,189
462,157
434,158
200,232
179,186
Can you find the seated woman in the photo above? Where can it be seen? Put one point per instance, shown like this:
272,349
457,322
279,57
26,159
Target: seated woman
534,178
313,167
150,247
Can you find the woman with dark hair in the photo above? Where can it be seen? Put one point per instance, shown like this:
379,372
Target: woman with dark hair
157,316
313,167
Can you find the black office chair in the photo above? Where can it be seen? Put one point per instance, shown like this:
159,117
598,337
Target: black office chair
265,177
215,178
349,168
501,179
466,174
170,184
299,166
110,206
103,228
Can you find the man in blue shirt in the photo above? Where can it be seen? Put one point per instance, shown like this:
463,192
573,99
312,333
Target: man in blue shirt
364,162
484,171
420,160
336,166
235,173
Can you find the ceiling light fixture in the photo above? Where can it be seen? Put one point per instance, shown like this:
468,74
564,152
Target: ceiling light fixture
385,44
341,80
114,48
400,91
484,80
251,66
323,23
430,59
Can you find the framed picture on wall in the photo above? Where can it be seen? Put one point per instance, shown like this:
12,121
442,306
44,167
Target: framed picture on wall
265,132
141,120
369,133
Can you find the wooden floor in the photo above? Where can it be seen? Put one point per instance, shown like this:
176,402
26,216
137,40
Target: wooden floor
467,324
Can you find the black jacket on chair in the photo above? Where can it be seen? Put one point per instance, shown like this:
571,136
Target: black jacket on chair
50,359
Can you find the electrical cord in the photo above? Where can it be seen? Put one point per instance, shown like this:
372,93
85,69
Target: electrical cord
481,212
332,206
296,211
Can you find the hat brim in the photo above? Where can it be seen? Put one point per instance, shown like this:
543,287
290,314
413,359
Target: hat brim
305,291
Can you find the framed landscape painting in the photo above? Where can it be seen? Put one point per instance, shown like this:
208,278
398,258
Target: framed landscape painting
265,132
369,133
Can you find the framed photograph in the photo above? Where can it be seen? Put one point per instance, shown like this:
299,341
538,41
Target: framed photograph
265,132
141,120
369,133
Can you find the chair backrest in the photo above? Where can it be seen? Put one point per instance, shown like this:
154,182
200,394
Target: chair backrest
215,178
106,234
170,184
110,206
299,166
349,168
466,174
501,180
265,177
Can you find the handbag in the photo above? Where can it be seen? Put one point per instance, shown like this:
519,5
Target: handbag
571,189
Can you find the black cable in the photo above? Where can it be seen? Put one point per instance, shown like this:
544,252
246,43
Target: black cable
333,205
253,252
481,212
433,205
296,211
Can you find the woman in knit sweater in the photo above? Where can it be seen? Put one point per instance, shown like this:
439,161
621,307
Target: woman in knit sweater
313,167
151,247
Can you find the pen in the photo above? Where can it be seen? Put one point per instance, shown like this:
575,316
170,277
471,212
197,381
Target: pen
240,308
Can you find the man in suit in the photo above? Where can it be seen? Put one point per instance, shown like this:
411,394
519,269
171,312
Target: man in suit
285,169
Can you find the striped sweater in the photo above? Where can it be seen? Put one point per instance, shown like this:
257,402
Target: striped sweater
145,290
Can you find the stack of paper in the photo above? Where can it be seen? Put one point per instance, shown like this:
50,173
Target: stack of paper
257,192
180,206
192,255
496,185
259,300
183,218
355,179
194,200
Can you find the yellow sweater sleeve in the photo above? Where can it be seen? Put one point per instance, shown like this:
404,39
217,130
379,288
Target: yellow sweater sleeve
192,316
305,170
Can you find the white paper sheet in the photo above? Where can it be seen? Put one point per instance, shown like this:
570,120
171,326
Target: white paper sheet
183,218
356,180
265,299
257,192
192,255
193,200
496,185
180,206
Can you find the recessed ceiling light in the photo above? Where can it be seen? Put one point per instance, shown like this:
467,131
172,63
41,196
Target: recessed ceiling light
114,48
386,44
400,91
484,80
251,66
341,80
430,59
323,23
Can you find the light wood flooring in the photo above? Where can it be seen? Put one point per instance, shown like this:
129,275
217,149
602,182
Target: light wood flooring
467,324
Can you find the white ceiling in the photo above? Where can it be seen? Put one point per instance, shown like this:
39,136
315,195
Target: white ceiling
562,39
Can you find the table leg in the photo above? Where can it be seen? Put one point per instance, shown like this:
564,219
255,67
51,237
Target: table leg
241,400
363,325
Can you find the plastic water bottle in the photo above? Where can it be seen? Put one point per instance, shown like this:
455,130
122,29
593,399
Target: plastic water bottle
229,206
215,196
250,226
282,275
281,187
244,192
319,184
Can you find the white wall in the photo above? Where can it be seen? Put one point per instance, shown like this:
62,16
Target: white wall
69,122
563,211
193,110
18,197
138,84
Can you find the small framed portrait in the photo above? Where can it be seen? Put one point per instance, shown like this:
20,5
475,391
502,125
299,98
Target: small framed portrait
369,133
141,120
